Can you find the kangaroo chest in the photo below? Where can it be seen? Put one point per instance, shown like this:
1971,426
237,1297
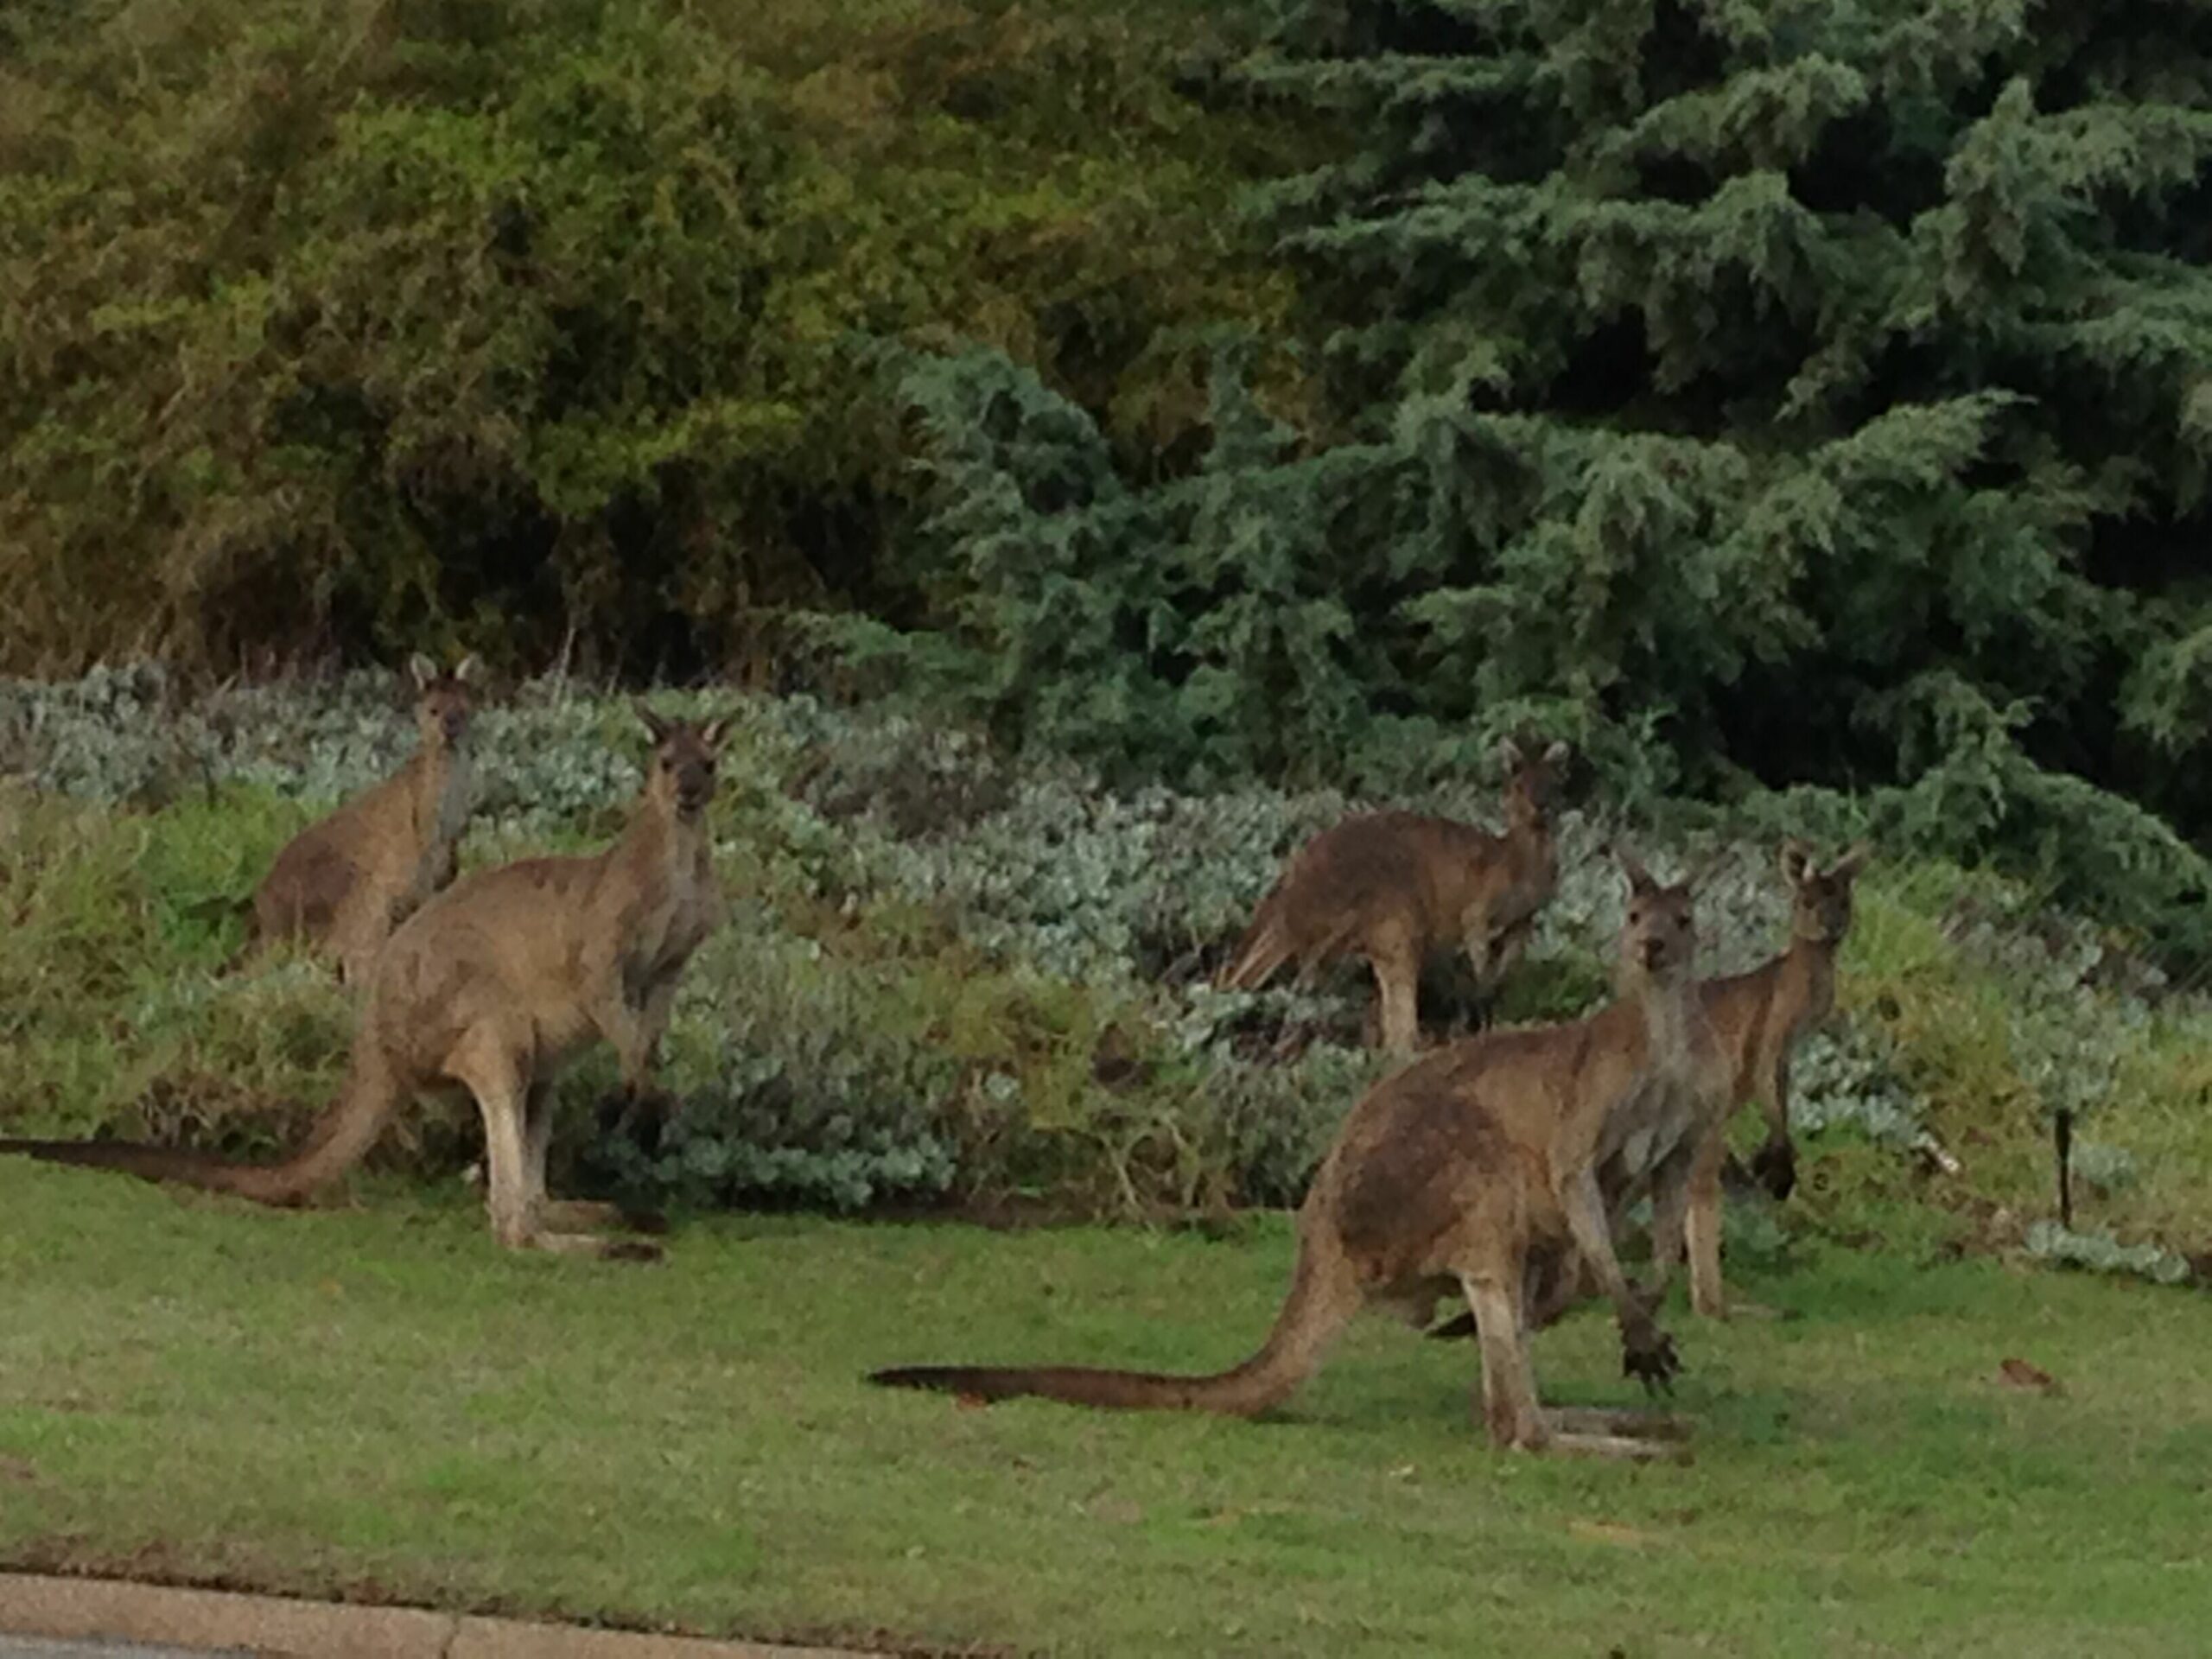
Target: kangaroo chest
449,809
669,928
1660,1109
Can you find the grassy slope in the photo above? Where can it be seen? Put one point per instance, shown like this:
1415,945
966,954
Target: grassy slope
374,1399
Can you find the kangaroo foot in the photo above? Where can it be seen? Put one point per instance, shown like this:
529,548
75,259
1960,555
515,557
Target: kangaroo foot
577,1215
1635,1425
1627,1447
1737,1308
594,1245
589,1215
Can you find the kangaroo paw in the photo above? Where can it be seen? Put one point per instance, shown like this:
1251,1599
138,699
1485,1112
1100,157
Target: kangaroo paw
1648,1354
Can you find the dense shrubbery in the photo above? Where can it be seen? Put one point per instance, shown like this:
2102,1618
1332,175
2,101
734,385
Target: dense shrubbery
954,974
1758,393
327,325
1750,392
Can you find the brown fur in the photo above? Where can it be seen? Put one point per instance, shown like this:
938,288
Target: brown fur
1392,887
1757,1019
491,986
1751,1023
1473,1171
343,883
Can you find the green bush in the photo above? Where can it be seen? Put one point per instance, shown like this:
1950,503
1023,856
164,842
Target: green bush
330,325
958,977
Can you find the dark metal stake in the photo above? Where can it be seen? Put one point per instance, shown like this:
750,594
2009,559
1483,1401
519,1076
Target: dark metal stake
2062,1134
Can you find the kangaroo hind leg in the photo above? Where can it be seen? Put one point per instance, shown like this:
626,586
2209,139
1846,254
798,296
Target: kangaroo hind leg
1393,953
492,1070
1508,1400
557,1216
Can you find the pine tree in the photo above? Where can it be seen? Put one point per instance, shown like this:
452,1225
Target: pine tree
1823,386
1765,360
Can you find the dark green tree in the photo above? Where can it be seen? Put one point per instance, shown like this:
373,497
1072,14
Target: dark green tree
1817,392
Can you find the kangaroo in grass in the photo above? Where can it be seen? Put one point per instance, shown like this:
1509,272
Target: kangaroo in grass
1474,1171
344,882
490,987
1393,886
1754,1021
1757,1019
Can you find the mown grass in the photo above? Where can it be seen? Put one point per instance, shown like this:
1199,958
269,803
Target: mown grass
374,1401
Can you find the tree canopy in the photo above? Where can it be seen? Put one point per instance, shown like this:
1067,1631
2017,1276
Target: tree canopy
1814,393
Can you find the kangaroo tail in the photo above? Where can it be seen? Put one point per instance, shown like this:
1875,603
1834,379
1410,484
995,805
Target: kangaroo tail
1323,1297
337,1142
1263,950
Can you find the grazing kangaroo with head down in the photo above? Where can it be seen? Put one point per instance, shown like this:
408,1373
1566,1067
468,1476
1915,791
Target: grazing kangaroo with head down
1474,1170
1393,886
490,987
344,882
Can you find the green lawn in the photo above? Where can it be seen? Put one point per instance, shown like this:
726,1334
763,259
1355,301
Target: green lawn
374,1399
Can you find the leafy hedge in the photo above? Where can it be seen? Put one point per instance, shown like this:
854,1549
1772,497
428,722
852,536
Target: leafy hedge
953,975
329,325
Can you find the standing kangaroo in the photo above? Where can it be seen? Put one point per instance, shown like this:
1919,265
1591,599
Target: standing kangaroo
491,988
1393,886
344,882
1475,1169
1757,1019
1751,1023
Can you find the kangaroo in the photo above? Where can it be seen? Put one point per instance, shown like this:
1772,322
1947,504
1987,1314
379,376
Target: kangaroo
490,987
1393,886
1476,1169
1751,1023
1757,1019
344,882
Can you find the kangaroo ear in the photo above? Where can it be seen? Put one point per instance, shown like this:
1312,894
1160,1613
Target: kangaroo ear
1795,860
1556,755
716,731
465,670
1639,879
1846,868
1509,755
660,728
422,671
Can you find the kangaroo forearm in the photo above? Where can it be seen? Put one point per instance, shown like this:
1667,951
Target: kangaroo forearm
639,1062
1586,1224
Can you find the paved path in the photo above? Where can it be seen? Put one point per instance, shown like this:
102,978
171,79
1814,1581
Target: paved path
101,1619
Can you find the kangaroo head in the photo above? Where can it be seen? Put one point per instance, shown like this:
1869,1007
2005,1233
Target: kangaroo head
1659,937
1532,779
1822,913
444,703
680,778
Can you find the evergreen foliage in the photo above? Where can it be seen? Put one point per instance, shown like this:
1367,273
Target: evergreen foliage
1816,392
